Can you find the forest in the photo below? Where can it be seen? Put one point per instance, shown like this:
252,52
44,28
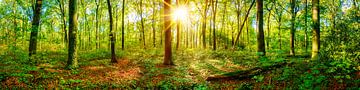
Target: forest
180,44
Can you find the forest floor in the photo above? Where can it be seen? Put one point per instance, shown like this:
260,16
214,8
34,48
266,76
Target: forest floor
144,69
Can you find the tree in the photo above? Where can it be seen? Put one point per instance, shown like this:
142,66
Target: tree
305,31
72,56
204,24
214,6
279,12
97,44
122,26
167,22
111,35
153,23
260,29
242,25
142,38
316,29
63,18
292,31
178,24
35,28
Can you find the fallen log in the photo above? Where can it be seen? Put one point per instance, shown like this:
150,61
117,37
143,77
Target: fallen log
245,74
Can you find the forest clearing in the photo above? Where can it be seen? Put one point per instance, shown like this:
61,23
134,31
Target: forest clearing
180,44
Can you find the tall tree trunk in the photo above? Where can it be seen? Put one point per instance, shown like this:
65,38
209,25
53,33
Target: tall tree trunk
72,56
97,43
35,28
260,23
292,31
246,17
306,35
167,25
153,24
178,24
214,6
112,36
222,33
142,24
123,27
316,29
268,27
204,24
15,24
62,9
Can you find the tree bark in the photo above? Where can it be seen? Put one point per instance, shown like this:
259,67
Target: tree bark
153,24
214,6
35,28
316,29
260,23
97,44
62,9
123,26
111,35
72,56
292,31
242,25
142,24
306,35
178,24
204,24
167,22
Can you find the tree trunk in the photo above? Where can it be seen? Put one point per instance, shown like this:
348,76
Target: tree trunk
242,25
153,24
316,29
222,33
142,24
112,36
260,23
167,22
123,27
62,9
35,28
72,56
204,24
178,24
306,36
214,23
97,44
292,31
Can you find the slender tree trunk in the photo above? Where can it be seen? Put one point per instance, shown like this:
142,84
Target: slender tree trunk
268,28
142,24
242,25
72,56
306,35
153,24
35,28
260,23
223,25
214,23
167,22
97,43
123,27
61,5
316,30
112,36
15,24
178,24
204,24
292,31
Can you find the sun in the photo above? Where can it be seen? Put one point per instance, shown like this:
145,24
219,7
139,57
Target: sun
180,13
